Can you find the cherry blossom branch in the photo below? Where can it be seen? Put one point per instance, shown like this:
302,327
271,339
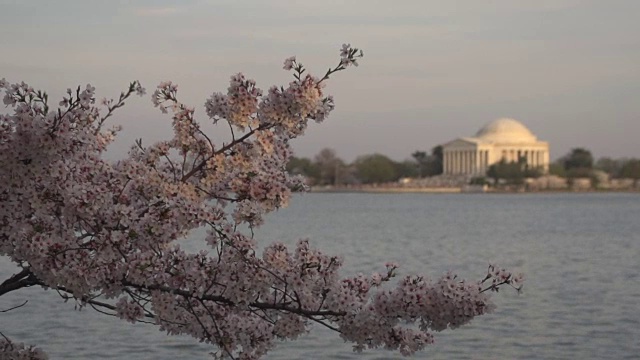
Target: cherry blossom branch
223,149
15,307
111,107
225,301
18,281
91,228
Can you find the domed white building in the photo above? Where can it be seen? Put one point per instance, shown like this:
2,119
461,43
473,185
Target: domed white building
500,139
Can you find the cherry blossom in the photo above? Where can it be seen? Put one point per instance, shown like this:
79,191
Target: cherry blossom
289,63
106,234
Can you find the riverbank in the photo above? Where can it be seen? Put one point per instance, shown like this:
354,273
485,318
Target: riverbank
382,189
454,190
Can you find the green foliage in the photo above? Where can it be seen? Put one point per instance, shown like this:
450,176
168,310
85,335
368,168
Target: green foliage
375,168
532,172
511,172
330,167
480,180
437,161
557,169
304,166
578,158
422,160
406,168
429,165
579,173
611,166
631,169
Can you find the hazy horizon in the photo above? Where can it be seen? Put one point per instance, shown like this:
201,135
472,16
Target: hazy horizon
433,70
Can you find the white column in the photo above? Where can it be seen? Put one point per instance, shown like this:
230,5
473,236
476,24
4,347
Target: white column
471,161
466,161
486,160
546,160
483,169
540,161
531,158
445,161
456,162
475,161
453,162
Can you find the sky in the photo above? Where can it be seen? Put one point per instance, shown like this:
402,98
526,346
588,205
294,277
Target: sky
433,70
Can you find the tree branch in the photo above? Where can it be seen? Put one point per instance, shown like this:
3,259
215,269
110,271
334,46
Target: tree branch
24,278
15,307
223,149
222,300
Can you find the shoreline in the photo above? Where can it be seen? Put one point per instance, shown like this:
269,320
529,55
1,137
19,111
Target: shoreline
457,190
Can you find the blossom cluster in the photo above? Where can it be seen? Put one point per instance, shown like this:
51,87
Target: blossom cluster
19,351
108,233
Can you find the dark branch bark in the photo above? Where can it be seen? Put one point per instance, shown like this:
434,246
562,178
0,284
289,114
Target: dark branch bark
222,300
24,278
15,307
235,142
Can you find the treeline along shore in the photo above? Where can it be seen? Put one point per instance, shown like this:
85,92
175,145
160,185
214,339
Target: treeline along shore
422,173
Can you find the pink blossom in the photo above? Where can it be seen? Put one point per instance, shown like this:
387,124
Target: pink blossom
289,63
90,227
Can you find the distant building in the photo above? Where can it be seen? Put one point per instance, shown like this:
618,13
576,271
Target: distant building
506,139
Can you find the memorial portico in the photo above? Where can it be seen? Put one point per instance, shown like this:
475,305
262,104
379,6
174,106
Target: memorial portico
506,139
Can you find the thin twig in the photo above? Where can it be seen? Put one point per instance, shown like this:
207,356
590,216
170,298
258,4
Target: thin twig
15,307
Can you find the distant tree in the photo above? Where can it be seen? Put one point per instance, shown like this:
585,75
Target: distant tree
578,158
512,172
479,180
305,167
329,166
532,172
406,168
631,170
422,160
557,168
611,166
436,161
429,165
375,168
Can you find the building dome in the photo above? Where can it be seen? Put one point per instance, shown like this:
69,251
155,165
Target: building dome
506,131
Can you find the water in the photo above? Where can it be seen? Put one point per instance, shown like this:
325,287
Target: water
580,254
